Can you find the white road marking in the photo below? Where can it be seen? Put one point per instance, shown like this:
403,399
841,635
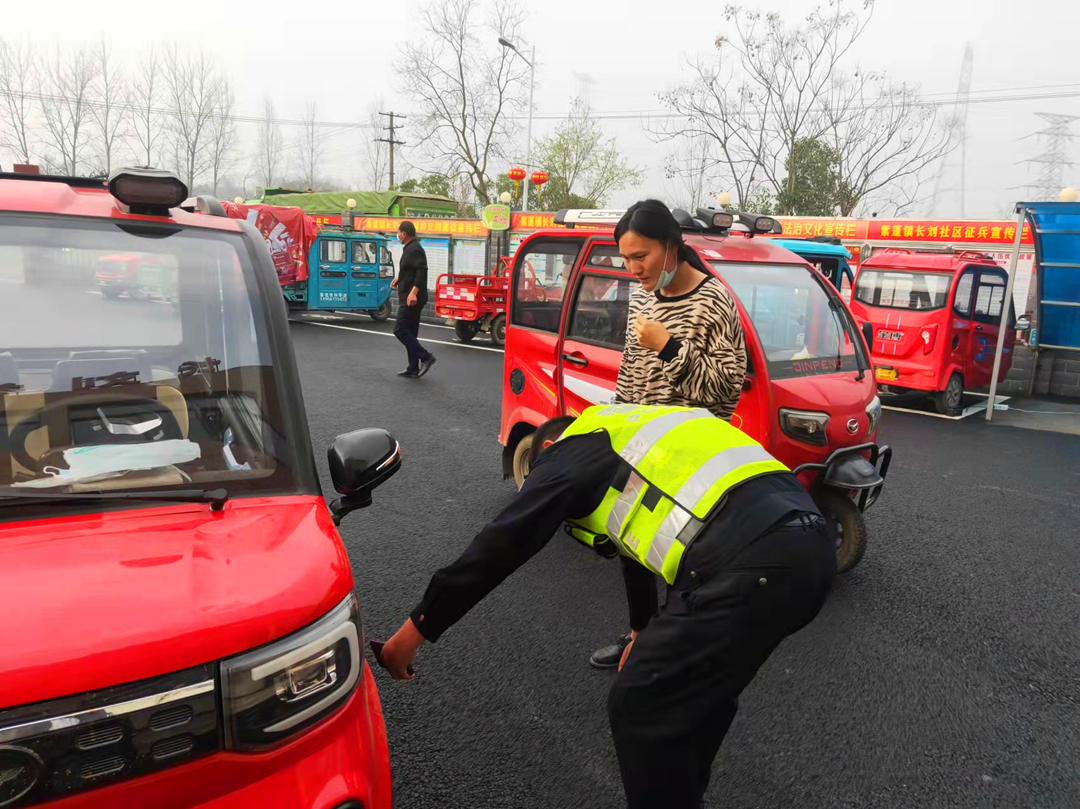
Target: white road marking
390,334
357,314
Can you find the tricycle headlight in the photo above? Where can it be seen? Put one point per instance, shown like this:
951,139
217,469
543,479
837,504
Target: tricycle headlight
806,426
271,693
873,415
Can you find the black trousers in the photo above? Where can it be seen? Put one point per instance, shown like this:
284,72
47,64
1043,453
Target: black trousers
406,329
673,702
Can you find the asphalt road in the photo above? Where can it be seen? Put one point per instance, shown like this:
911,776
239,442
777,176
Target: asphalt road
943,672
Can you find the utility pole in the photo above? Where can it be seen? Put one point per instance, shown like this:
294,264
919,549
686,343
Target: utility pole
1055,158
392,140
959,121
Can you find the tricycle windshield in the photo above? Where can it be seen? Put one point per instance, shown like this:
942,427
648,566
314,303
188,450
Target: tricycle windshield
913,291
134,356
804,329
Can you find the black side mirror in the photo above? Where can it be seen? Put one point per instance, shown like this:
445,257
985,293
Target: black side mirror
359,461
868,334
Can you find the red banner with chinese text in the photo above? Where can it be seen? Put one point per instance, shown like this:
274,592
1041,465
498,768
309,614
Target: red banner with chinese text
906,230
429,227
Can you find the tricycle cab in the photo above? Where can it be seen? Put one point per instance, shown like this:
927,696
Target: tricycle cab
809,392
935,319
348,271
829,257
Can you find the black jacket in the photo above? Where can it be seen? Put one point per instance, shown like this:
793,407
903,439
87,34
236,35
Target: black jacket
413,273
570,480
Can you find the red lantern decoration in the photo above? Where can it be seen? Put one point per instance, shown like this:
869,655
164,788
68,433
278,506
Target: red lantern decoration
538,179
517,175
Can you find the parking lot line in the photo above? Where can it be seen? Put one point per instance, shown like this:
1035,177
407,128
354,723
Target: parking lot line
390,334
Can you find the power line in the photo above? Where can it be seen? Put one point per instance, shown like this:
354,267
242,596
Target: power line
1049,181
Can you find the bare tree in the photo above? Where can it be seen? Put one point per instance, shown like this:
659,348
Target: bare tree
107,107
773,85
309,147
375,151
145,96
66,108
268,147
192,87
688,171
465,88
19,82
222,136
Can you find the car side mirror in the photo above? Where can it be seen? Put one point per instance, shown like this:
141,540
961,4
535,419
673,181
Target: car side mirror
359,461
868,334
1023,323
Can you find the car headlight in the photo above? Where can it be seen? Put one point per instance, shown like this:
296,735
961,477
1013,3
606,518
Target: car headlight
873,415
805,426
271,693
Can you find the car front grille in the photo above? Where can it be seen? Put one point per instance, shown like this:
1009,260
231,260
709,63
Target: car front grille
49,750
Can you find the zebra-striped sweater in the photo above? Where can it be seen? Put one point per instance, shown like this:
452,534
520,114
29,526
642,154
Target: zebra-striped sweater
704,364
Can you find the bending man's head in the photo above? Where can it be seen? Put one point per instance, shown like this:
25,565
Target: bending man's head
549,432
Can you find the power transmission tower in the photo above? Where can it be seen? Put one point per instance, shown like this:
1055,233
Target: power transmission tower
959,120
1054,159
392,140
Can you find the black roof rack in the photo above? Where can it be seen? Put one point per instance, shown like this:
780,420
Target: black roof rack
77,182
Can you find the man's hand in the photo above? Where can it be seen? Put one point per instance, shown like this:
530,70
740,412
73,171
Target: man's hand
393,284
400,650
626,651
651,334
412,298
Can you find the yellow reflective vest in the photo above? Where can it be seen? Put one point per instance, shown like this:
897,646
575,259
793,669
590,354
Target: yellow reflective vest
680,463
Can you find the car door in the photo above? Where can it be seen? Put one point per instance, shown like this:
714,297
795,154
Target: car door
532,366
986,317
955,348
595,330
364,274
333,275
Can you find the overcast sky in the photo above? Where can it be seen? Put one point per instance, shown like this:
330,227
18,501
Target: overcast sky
341,56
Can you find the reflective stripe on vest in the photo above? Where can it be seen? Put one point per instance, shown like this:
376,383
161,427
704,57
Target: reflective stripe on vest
674,482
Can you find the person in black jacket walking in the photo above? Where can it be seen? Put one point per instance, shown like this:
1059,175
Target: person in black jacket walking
411,284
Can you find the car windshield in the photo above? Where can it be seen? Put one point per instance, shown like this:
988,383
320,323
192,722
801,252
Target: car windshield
134,356
804,329
903,290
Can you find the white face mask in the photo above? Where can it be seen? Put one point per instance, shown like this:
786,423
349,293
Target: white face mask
666,276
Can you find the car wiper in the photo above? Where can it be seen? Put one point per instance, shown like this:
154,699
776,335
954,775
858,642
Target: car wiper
215,497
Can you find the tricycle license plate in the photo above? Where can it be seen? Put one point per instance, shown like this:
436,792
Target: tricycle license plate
890,335
885,374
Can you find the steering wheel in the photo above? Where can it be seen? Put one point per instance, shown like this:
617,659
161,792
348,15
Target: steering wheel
159,425
538,290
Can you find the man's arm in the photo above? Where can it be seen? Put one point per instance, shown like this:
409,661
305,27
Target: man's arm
419,278
505,544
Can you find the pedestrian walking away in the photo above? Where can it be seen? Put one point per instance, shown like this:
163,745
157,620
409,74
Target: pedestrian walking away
744,552
411,284
686,347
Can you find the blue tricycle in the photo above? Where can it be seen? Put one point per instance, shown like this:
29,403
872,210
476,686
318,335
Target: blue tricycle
347,271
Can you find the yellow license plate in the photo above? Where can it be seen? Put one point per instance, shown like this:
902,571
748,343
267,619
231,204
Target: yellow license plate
886,374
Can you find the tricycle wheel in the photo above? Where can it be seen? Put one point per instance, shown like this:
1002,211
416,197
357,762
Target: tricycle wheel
466,329
383,312
498,330
523,459
948,401
110,293
848,525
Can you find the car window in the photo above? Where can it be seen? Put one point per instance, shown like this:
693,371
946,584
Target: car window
601,309
605,256
989,297
364,253
962,299
332,250
541,273
902,289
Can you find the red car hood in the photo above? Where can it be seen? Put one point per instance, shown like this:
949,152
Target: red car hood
97,600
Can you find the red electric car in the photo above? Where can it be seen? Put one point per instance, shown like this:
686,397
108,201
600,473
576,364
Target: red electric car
179,627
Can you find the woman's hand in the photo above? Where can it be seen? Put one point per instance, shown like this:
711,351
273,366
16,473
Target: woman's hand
651,334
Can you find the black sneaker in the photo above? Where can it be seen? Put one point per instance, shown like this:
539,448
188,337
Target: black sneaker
425,365
609,656
410,373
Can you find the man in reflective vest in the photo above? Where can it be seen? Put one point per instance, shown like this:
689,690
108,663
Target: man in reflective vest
744,552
